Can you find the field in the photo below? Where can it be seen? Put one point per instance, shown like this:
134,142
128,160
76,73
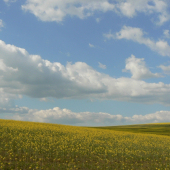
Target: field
154,128
28,145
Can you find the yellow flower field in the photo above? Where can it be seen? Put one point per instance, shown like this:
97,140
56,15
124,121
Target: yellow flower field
28,145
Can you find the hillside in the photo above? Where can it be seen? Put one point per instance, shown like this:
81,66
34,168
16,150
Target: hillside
37,146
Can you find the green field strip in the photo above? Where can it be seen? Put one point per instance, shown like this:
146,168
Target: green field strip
154,128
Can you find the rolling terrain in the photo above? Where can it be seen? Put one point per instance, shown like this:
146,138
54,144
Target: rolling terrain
37,146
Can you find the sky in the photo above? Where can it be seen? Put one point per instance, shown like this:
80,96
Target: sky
85,62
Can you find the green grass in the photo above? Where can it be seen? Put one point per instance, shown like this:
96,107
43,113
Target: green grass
153,128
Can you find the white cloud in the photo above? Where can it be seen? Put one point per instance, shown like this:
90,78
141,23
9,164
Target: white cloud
91,45
138,68
159,116
130,8
30,75
137,35
4,68
166,34
65,116
44,99
102,65
166,69
57,10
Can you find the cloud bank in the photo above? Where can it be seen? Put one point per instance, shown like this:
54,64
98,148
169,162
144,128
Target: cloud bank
67,117
30,75
57,10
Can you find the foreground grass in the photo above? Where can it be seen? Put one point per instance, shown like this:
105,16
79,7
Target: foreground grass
26,145
153,128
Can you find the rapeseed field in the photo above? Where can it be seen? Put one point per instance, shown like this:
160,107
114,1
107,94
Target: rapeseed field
28,146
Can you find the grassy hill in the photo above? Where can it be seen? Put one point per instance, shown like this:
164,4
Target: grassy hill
37,146
153,128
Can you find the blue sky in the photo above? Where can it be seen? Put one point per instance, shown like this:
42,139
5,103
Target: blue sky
85,63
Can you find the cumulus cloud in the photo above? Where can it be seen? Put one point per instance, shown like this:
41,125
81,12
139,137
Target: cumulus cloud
130,8
56,10
157,117
138,68
91,45
102,65
65,116
137,35
30,75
